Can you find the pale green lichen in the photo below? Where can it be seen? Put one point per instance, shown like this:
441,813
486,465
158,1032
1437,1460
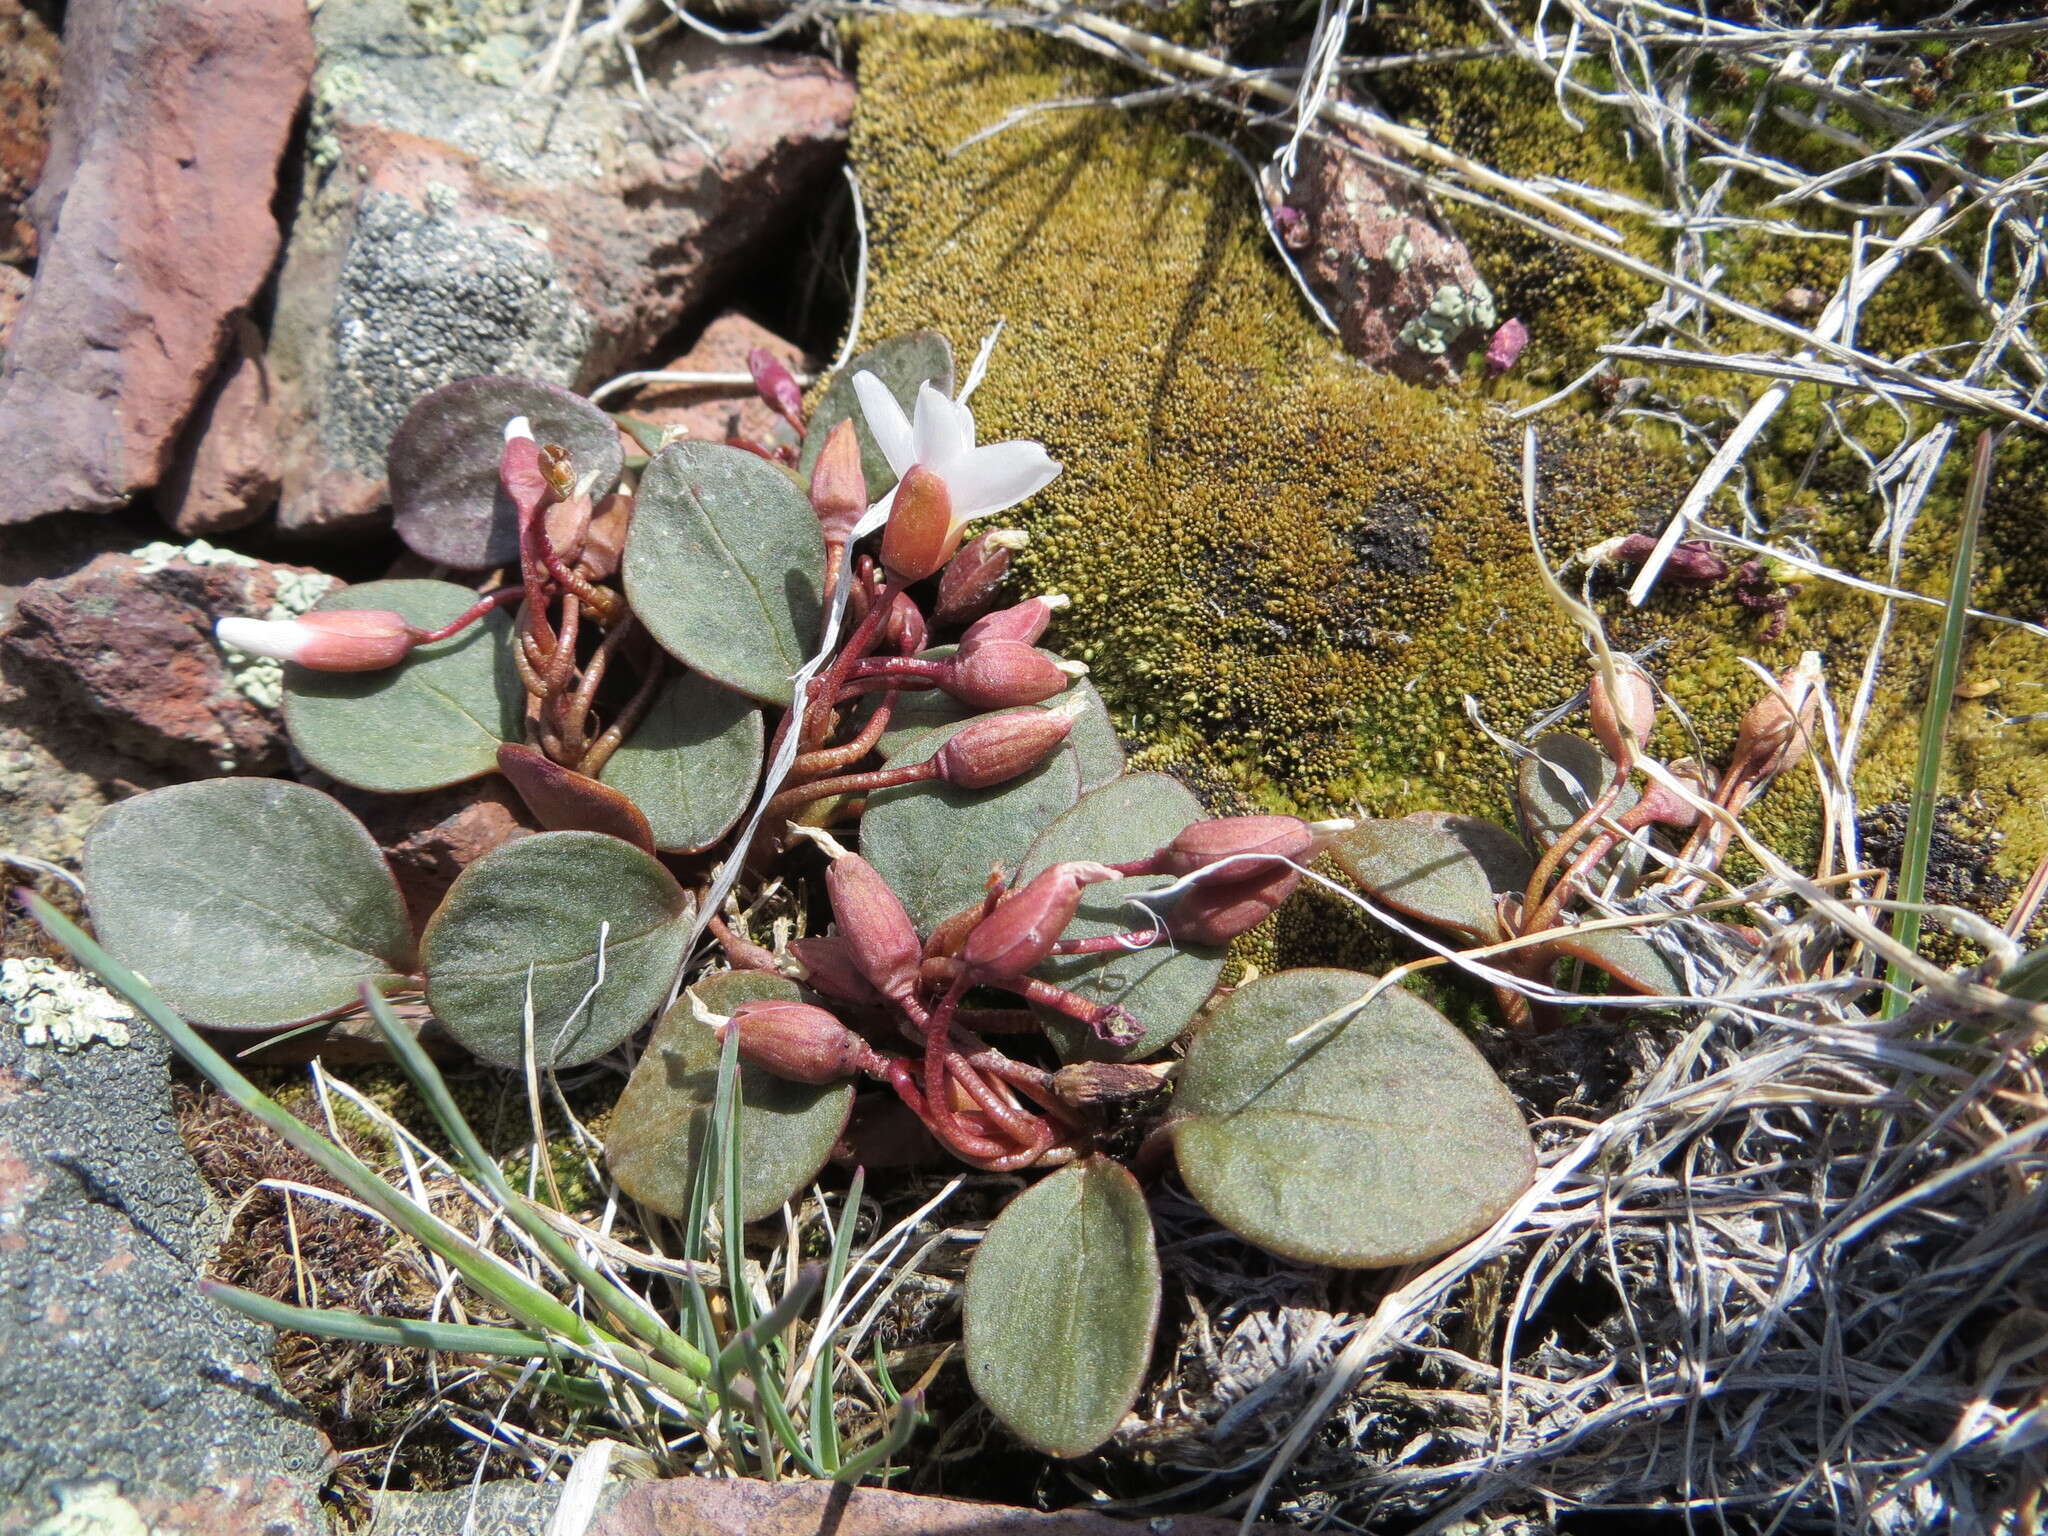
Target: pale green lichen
57,1007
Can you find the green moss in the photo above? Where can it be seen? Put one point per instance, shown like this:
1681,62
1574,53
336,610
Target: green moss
1288,573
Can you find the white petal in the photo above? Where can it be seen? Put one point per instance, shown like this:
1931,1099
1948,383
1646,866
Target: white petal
998,476
874,517
278,638
943,434
891,428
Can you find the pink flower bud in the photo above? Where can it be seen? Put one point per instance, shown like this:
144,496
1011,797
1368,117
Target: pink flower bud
1774,735
968,584
798,1041
777,386
1003,674
333,640
875,926
1691,560
519,471
1199,846
1024,621
1665,806
839,490
905,628
1026,924
920,535
994,749
1632,706
827,964
1217,911
1505,350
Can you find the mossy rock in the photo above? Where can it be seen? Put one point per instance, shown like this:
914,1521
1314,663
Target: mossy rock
1288,572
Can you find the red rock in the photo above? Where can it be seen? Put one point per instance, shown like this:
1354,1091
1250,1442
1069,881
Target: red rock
13,289
128,643
714,414
156,231
1399,283
430,839
29,71
226,473
461,227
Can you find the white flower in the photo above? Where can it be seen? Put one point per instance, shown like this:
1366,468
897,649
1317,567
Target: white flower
979,480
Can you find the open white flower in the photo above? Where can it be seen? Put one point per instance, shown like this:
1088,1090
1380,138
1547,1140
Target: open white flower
941,438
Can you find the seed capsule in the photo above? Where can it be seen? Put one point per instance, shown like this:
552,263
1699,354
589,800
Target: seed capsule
1025,925
971,578
1024,621
1215,912
839,491
997,748
798,1041
875,926
1633,704
1204,843
1003,674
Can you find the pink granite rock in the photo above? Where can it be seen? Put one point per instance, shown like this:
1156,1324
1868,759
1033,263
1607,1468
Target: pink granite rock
225,476
156,231
458,226
28,95
714,414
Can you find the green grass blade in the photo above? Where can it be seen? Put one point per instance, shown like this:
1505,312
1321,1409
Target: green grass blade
770,1324
824,1421
432,1088
1948,660
909,1412
396,1332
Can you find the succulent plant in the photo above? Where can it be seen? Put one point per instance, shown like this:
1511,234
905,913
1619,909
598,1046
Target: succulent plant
1023,935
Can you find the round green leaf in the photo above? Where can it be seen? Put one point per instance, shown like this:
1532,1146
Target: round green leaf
536,906
692,764
1163,985
435,719
1062,1299
723,564
935,844
787,1130
1097,752
1385,1139
1559,784
248,903
1629,958
903,363
1441,868
443,464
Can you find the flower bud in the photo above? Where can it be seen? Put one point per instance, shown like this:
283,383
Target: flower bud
519,470
1024,621
798,1041
1632,705
1026,924
1665,806
1217,911
920,535
1003,674
1090,1084
332,640
904,628
1774,735
967,586
839,490
827,965
994,749
1198,846
1505,350
875,926
777,386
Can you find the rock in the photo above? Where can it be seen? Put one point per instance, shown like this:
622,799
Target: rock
14,286
29,69
453,226
1399,283
226,474
128,1397
156,229
713,414
430,839
128,642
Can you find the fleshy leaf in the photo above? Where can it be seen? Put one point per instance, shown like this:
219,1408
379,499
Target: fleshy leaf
1061,1302
935,844
563,800
249,903
443,463
692,764
435,719
1556,786
1629,958
724,563
537,905
1385,1139
1097,752
1442,868
1162,986
903,363
787,1130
